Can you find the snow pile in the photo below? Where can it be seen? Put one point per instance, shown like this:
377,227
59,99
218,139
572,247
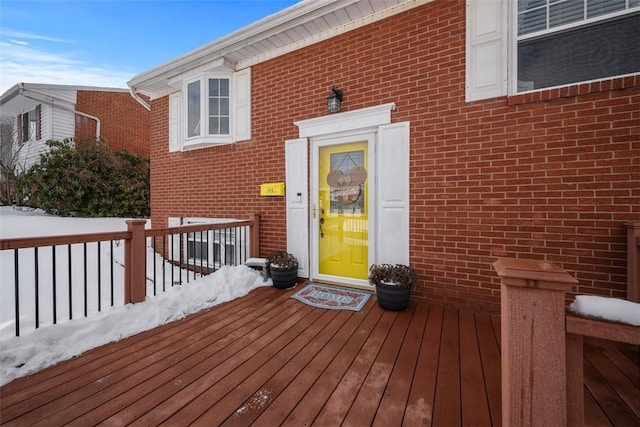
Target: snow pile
613,309
39,348
20,356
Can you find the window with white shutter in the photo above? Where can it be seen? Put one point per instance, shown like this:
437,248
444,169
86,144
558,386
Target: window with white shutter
212,109
561,42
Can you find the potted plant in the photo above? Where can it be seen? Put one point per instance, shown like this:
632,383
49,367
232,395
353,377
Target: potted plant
393,284
283,268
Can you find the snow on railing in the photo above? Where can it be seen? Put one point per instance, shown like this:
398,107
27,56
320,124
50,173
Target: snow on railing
542,344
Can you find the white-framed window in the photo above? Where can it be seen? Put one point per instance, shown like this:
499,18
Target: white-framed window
215,248
560,42
29,125
210,109
513,46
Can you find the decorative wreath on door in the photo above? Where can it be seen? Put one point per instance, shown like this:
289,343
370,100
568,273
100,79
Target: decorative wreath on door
346,189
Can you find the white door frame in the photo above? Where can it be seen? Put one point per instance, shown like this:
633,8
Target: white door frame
337,127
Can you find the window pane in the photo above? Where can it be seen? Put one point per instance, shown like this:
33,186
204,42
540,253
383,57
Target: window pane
214,125
214,89
601,7
586,53
524,5
534,20
565,12
193,109
224,125
219,107
224,106
214,109
224,87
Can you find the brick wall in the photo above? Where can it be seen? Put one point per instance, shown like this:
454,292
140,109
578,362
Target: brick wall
550,176
124,123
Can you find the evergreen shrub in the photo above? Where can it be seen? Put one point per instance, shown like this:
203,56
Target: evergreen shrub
87,179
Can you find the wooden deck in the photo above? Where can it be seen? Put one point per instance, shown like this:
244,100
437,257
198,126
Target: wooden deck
267,359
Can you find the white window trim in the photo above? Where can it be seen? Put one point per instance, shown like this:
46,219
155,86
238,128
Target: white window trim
204,139
239,110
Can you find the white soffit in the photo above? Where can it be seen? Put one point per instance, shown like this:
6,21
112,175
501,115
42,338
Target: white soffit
300,25
347,121
325,27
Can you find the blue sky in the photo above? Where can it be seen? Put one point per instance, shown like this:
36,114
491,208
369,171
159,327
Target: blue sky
105,43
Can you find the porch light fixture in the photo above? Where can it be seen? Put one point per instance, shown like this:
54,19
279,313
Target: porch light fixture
334,100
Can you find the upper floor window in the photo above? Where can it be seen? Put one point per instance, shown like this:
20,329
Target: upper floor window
210,109
29,125
209,99
568,41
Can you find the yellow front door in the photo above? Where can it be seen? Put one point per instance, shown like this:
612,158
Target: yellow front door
343,248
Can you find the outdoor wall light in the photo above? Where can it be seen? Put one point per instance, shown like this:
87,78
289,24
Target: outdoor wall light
334,100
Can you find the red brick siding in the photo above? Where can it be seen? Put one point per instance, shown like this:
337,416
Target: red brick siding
124,123
551,176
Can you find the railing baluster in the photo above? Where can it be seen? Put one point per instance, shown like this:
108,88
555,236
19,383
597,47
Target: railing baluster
172,260
111,266
70,284
17,290
164,263
99,280
202,255
85,278
206,238
37,290
214,245
154,266
193,255
54,284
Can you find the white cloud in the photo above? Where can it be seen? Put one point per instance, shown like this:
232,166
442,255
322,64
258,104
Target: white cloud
21,62
31,36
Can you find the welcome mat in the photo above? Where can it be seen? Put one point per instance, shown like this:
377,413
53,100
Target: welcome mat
323,296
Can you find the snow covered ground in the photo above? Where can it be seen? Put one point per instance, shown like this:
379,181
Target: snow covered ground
36,349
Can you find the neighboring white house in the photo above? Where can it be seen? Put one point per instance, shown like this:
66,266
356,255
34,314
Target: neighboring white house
36,113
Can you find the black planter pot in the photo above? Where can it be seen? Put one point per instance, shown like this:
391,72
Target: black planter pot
284,278
392,297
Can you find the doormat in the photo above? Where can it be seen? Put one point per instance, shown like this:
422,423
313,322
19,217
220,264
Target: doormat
332,298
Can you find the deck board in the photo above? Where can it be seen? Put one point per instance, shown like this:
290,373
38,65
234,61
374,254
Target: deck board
267,359
490,359
447,399
474,402
391,410
419,409
368,399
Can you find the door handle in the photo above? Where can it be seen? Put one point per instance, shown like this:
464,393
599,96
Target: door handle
321,231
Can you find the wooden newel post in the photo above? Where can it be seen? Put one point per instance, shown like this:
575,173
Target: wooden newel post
254,236
135,263
534,382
